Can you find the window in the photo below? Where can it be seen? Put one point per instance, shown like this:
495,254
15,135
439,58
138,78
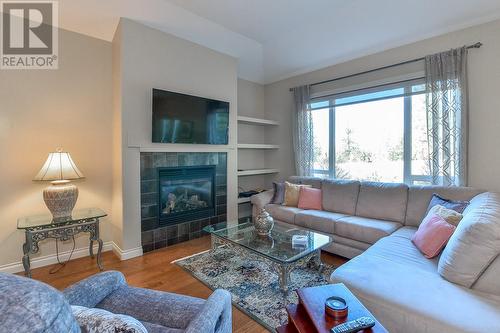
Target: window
377,134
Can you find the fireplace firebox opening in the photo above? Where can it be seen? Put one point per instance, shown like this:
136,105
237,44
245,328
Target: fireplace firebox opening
185,193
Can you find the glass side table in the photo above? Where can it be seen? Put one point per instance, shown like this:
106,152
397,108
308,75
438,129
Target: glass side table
40,227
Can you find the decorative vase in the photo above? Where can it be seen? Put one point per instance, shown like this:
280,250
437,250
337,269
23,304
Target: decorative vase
263,223
60,198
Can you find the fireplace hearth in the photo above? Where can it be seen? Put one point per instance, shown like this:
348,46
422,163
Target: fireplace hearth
185,193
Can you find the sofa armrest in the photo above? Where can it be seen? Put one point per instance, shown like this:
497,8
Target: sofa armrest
262,199
215,316
92,290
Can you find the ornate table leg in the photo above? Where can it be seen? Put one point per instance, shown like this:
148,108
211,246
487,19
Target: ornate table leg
26,258
91,247
318,262
99,250
214,243
94,236
283,272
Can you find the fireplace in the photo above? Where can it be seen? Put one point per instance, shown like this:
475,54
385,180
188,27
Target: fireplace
185,193
199,199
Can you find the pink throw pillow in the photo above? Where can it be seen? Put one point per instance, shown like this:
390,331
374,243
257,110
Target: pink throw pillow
432,236
309,198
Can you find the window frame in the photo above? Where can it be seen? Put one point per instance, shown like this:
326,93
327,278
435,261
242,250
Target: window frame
408,93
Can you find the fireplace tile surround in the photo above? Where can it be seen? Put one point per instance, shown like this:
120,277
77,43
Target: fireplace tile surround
155,237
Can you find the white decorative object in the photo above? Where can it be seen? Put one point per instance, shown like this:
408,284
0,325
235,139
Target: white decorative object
299,241
60,197
263,223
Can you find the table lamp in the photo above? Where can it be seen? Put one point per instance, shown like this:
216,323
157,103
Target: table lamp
60,197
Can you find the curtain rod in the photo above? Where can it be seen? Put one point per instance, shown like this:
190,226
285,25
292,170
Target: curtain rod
473,46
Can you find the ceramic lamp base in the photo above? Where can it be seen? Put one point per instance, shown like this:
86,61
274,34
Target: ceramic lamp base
60,198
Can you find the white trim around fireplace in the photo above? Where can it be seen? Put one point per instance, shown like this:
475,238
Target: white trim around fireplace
126,254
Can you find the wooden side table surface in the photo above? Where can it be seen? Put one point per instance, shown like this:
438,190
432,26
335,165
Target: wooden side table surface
309,315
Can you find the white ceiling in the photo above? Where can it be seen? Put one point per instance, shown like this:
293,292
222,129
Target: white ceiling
275,39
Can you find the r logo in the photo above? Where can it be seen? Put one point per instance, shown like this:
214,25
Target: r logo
29,28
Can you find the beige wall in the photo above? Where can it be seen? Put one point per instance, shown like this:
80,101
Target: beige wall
153,59
484,82
41,110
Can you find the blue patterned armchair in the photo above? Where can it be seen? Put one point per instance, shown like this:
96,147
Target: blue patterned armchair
28,305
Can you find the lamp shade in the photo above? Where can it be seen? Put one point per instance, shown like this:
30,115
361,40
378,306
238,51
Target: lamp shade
59,166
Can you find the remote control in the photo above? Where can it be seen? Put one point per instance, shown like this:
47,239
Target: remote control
354,325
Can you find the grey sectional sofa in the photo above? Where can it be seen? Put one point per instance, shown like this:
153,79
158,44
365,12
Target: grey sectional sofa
373,223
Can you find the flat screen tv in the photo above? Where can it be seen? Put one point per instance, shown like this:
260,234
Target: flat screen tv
180,118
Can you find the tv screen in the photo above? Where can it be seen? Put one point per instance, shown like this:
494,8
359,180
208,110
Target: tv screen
180,118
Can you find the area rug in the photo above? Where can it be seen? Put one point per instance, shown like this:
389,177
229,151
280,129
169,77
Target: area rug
253,285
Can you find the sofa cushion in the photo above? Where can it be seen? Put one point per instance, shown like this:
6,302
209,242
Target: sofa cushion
383,201
475,243
318,220
456,205
279,193
155,328
310,198
283,213
292,194
449,215
419,198
488,281
404,291
432,236
313,181
350,242
340,195
93,320
364,229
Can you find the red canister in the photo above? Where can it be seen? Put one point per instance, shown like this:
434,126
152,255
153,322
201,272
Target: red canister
336,307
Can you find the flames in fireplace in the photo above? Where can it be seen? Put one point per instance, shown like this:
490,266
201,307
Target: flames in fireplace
186,193
184,198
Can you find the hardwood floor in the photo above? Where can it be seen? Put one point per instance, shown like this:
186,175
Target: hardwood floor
155,270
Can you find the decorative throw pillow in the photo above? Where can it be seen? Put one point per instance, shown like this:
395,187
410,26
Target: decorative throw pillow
279,193
432,236
292,192
449,215
458,206
310,198
94,320
474,245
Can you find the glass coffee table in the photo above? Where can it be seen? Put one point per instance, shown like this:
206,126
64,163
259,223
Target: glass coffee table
278,249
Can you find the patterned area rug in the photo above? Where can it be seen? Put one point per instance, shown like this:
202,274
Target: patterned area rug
253,285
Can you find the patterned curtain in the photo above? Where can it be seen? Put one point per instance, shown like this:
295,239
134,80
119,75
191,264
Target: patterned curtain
447,116
303,142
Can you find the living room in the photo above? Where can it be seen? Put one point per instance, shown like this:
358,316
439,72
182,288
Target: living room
232,166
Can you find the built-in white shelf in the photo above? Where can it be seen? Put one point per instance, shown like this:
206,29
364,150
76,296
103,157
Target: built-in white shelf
257,172
257,121
257,146
243,200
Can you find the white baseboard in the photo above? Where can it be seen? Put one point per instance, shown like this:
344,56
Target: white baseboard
51,259
126,254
